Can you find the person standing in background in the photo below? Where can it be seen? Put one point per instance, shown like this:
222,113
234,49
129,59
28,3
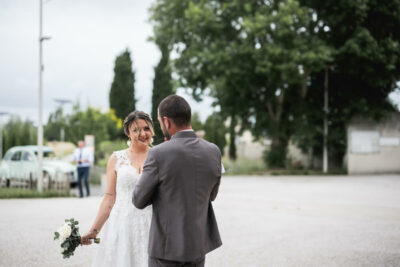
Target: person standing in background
83,159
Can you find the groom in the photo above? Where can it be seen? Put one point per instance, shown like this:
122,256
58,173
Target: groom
180,178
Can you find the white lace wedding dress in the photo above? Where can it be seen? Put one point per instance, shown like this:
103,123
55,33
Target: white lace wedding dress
125,234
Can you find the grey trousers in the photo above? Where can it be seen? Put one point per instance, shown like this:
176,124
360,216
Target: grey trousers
154,262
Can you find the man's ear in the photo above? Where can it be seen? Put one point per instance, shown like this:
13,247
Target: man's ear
167,123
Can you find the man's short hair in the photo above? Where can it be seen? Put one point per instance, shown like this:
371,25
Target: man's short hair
177,109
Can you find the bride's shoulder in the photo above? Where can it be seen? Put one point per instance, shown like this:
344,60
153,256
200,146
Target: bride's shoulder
119,153
117,158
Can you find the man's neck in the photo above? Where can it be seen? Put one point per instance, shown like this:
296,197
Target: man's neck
185,129
189,128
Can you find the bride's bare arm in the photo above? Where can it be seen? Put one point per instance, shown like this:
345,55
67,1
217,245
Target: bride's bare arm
106,204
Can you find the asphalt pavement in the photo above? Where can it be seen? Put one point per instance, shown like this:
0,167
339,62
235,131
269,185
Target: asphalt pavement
264,221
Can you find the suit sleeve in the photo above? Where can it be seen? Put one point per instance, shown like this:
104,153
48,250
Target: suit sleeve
147,184
214,191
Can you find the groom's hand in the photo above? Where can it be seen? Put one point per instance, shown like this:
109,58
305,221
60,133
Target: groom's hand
85,239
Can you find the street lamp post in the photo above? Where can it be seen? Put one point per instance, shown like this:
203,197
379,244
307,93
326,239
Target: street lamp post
40,122
326,111
1,134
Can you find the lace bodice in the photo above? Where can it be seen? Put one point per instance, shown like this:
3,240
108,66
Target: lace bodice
126,232
127,177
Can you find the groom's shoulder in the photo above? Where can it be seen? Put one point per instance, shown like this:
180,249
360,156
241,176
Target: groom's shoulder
211,146
162,147
173,145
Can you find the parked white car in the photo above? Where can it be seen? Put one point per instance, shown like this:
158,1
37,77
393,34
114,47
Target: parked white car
21,163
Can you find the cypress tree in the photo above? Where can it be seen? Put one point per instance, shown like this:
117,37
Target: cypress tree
162,87
122,93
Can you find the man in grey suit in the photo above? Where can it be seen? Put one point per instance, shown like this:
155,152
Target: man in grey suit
180,178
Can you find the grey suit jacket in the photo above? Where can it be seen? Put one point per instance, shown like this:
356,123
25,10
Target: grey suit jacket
180,178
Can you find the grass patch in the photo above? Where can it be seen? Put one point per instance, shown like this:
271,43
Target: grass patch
28,193
244,166
307,172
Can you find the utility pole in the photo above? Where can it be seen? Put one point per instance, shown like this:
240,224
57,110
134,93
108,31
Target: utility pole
325,151
40,122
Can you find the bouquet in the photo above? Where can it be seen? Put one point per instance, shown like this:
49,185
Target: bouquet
69,237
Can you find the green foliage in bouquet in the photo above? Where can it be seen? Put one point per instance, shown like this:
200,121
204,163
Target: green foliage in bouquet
69,237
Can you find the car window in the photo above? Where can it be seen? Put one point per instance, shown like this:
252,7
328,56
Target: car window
47,154
16,156
26,156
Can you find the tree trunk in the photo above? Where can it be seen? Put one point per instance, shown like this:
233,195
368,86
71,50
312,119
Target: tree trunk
276,156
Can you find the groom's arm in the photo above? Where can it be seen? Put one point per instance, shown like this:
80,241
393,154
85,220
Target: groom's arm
215,189
147,184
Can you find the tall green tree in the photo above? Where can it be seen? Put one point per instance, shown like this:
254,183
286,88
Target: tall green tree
162,87
104,126
122,93
255,57
57,121
17,132
265,63
365,36
215,130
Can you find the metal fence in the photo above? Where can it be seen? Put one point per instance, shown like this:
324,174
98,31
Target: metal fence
58,182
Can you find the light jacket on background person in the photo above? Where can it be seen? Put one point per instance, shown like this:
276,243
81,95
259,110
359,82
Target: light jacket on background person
86,155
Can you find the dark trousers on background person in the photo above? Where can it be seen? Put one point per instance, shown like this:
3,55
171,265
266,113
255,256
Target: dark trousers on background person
83,173
154,262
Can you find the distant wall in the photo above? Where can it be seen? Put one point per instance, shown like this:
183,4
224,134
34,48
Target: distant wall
374,147
246,147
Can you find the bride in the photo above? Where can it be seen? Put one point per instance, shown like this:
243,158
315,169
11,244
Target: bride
124,228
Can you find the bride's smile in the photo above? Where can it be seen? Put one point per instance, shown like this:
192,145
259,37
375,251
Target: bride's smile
141,133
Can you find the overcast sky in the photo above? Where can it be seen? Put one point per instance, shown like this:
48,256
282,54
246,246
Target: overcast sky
86,36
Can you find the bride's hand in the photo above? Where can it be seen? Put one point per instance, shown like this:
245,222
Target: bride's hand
85,239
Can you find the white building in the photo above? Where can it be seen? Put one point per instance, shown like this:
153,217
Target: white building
374,147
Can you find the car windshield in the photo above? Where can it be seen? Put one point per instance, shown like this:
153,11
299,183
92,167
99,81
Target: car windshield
47,154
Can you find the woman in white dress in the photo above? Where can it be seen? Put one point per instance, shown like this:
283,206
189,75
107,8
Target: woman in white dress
124,228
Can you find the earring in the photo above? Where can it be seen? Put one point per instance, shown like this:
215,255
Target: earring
129,142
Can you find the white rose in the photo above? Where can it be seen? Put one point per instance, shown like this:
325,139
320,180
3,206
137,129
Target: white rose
65,231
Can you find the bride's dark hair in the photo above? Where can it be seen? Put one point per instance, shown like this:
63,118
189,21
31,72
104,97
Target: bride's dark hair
133,117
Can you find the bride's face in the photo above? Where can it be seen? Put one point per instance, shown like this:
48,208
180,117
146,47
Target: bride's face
140,133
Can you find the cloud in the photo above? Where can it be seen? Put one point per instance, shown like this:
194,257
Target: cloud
86,36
